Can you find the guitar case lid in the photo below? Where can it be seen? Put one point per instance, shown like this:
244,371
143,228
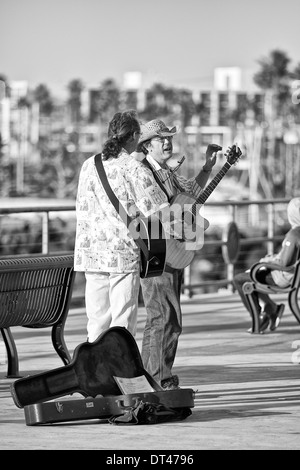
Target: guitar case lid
113,354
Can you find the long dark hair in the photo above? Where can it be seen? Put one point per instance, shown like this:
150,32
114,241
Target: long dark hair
120,129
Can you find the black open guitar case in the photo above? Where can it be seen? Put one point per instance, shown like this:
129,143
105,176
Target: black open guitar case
92,373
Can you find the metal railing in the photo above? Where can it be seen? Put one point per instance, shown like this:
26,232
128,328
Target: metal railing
258,216
249,216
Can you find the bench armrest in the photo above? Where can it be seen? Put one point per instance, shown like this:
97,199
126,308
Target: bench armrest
271,266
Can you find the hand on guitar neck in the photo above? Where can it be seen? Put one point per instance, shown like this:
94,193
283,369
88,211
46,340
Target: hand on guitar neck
181,250
211,156
233,154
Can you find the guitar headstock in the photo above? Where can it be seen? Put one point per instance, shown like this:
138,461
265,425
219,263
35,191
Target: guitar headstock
233,154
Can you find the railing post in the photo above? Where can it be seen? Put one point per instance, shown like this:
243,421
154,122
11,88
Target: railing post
271,219
187,281
230,265
232,211
45,233
230,250
230,276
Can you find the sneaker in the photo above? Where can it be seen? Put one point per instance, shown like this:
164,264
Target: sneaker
264,322
170,384
276,318
271,320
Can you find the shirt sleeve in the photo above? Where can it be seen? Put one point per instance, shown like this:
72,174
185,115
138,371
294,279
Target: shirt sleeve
148,196
188,185
290,244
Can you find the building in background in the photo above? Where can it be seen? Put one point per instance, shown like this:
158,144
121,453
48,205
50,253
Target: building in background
232,109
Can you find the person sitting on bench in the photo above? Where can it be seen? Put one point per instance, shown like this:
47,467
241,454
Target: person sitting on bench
271,315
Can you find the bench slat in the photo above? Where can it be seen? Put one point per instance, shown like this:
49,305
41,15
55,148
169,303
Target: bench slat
35,292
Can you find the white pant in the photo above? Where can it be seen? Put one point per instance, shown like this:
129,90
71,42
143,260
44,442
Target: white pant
111,299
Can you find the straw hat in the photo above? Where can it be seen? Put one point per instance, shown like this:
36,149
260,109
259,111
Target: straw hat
155,128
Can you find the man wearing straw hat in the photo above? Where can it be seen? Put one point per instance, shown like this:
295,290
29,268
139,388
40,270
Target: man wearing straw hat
161,294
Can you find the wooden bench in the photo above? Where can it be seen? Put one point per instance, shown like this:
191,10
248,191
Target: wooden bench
292,290
35,292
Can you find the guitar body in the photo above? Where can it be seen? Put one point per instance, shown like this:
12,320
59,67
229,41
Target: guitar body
190,228
152,233
189,225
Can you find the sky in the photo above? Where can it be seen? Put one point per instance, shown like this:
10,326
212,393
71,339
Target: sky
169,41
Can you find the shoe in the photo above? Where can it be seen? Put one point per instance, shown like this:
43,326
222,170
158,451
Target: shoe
276,318
264,322
170,384
271,320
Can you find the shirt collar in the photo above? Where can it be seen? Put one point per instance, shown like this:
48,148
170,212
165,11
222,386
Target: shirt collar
124,151
153,163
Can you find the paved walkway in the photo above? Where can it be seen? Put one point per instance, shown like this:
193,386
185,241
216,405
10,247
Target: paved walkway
247,387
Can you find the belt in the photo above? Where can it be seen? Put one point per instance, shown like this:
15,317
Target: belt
168,269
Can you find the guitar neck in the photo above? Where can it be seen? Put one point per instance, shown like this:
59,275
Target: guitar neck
211,186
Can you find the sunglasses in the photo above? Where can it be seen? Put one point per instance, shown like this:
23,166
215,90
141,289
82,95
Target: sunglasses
162,139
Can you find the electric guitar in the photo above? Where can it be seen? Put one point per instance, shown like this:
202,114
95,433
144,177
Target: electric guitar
189,226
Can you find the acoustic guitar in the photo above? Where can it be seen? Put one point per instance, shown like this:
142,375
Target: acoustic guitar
147,232
189,225
153,259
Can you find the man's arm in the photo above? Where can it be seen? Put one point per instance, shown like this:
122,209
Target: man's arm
289,249
211,158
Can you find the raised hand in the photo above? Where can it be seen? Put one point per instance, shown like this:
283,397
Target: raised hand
211,156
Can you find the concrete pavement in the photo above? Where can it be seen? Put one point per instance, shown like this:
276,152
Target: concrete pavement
247,387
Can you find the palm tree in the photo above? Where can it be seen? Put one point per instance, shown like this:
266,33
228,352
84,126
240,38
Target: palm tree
187,104
295,107
274,78
42,95
108,100
4,86
75,88
160,102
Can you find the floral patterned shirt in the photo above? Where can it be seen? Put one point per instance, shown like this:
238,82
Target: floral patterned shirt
103,242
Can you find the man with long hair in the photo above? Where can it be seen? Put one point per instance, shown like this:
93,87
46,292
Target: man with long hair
104,248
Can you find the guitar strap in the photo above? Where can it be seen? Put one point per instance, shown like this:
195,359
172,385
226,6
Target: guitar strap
145,162
118,206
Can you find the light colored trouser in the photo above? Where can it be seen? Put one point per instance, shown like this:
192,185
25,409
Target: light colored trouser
111,300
